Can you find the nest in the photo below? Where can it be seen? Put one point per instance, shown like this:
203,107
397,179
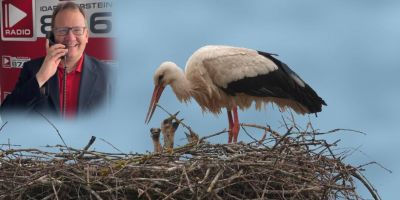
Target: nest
291,165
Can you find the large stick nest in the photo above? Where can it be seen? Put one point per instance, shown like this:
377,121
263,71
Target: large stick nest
292,165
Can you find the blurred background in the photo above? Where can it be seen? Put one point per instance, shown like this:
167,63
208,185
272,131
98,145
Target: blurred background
346,50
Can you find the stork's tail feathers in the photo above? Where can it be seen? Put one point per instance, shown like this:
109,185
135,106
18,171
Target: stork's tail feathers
301,91
310,99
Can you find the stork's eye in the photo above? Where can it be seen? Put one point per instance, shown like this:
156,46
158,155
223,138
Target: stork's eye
160,78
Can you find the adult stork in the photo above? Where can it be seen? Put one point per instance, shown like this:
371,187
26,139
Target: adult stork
229,77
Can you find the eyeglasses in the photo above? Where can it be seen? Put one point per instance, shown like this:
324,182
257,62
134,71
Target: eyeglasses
62,31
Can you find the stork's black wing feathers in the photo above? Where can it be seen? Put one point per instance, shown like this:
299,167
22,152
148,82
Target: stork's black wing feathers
280,84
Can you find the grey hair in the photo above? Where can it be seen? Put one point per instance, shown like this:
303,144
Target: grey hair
69,5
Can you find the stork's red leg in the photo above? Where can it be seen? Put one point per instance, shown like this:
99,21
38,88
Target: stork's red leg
235,128
230,120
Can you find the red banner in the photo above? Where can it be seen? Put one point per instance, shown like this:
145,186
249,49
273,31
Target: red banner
24,25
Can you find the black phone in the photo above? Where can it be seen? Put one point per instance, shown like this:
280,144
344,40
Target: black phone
50,37
52,40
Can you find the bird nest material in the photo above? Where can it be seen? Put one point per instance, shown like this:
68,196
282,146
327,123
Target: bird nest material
292,165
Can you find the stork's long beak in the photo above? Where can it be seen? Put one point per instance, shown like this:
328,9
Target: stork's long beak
158,89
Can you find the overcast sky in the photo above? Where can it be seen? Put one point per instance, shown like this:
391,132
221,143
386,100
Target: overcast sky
346,50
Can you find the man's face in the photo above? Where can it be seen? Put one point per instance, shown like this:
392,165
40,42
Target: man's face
74,42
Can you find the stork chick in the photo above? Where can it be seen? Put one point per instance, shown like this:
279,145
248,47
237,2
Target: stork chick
155,136
168,128
192,137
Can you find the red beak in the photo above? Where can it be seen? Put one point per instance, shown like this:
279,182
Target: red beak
158,89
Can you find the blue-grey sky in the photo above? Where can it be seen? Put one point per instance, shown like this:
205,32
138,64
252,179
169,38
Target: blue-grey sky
346,50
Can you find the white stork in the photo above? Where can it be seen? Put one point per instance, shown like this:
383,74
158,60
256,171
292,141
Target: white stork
229,77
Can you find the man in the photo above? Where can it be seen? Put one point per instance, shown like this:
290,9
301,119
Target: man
42,86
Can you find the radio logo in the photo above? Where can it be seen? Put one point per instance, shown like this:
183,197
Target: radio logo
17,20
13,62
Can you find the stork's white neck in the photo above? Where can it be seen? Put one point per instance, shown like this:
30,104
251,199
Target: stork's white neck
181,87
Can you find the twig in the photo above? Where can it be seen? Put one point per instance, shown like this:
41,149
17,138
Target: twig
273,133
91,141
111,145
187,179
92,192
205,176
337,130
367,184
214,181
54,189
178,190
362,166
58,132
1,128
213,135
254,139
283,138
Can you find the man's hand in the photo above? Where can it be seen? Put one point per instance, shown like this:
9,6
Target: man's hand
50,63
